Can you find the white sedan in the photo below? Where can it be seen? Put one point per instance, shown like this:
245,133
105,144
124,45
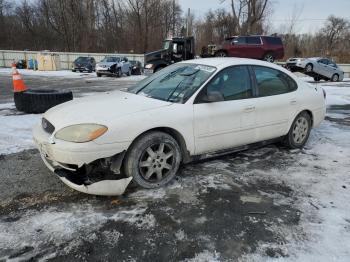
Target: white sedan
317,67
186,111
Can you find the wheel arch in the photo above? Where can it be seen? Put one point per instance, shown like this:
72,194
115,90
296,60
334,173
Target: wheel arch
309,112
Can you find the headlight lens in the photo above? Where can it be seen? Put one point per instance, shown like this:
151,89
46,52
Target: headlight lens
149,66
81,133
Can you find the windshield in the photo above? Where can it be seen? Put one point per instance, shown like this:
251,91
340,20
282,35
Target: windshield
166,44
82,59
176,83
111,59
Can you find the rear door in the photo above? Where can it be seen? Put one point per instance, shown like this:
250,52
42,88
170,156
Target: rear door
254,48
276,104
229,123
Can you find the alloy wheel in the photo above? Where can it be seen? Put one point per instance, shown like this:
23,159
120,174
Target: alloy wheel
269,58
156,162
300,130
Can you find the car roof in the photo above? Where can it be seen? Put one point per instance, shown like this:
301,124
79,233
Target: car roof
223,62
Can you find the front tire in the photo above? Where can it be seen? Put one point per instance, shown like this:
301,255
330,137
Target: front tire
299,131
309,68
153,160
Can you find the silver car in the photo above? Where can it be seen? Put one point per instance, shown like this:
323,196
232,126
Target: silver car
317,67
113,65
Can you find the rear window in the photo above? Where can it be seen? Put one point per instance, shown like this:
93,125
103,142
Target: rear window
273,40
253,40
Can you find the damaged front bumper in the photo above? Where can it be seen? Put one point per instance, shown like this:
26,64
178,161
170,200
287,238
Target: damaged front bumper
101,188
75,164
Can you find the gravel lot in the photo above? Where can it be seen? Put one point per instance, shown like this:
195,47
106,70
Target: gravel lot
255,205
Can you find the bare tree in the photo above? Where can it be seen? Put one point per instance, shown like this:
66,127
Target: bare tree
334,31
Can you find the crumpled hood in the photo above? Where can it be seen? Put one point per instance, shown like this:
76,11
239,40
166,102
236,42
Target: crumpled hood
100,109
106,64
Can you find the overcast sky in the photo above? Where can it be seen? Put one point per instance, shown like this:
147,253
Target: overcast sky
312,16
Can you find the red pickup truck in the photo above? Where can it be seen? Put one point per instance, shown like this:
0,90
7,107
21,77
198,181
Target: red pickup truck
268,48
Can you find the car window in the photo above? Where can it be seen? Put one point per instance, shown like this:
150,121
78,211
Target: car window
111,59
253,40
323,61
272,82
239,41
233,83
273,40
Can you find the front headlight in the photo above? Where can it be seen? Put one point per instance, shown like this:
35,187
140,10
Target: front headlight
149,66
81,133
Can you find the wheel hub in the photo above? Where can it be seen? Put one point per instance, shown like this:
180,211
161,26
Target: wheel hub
300,130
156,162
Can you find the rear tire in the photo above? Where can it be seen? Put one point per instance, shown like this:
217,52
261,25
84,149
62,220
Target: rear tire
299,131
153,160
98,75
335,78
269,58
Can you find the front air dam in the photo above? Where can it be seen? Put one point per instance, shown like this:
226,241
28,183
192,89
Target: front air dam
101,188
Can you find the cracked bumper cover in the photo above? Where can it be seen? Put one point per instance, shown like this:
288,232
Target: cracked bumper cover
62,158
102,188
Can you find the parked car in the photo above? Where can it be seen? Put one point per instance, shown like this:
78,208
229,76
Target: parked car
113,65
268,48
136,67
185,112
317,67
84,63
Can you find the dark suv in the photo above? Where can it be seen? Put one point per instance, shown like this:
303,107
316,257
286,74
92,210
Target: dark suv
84,63
268,48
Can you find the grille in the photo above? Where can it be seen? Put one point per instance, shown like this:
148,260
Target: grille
47,126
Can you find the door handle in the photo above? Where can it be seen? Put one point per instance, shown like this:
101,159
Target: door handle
249,109
293,102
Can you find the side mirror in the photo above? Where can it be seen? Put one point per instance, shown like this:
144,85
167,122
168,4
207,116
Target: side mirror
214,96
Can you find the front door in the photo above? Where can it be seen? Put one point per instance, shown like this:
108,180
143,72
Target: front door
229,123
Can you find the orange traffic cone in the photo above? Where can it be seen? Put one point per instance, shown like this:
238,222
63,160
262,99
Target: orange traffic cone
18,83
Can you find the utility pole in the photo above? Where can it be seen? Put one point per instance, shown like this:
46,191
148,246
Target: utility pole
174,6
188,22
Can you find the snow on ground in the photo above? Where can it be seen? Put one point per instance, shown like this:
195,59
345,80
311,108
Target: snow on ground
15,130
66,74
337,95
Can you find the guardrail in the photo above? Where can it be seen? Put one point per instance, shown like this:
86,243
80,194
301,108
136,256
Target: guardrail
66,59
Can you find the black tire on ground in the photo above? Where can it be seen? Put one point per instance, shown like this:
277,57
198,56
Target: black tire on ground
73,70
299,131
153,160
335,78
40,100
309,68
98,75
221,54
269,58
